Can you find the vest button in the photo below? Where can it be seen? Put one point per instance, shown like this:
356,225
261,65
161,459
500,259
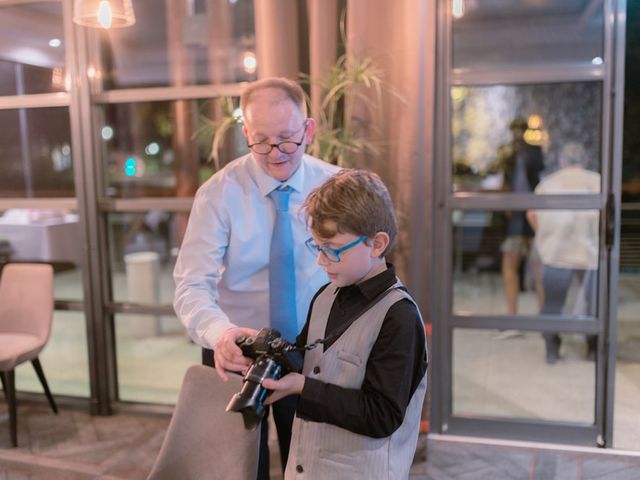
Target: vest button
299,469
316,370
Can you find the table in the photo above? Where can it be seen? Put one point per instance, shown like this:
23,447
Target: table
46,240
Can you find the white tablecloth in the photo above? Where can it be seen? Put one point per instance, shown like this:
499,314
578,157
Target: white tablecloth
43,240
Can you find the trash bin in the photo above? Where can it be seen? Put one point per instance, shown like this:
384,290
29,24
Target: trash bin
143,285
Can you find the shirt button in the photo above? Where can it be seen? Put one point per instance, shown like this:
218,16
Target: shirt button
316,370
299,469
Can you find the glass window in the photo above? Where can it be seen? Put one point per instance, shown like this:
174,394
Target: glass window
206,42
489,380
164,148
493,33
36,153
143,248
32,49
626,420
64,359
50,236
626,428
501,265
153,355
67,282
506,137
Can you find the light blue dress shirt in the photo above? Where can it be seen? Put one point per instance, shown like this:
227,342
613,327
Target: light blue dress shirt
222,270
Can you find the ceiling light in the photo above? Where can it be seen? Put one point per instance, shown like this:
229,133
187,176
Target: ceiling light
103,13
249,62
457,9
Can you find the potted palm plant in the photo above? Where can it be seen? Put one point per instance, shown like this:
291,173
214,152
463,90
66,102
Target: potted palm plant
352,93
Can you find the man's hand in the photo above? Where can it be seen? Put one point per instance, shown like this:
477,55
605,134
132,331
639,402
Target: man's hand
291,384
227,355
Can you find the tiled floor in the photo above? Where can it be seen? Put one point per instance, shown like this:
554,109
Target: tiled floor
486,368
76,446
458,460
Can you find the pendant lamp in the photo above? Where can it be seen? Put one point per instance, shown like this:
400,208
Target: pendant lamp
103,13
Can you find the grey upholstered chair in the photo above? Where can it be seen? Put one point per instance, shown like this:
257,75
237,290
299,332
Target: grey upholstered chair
204,441
26,310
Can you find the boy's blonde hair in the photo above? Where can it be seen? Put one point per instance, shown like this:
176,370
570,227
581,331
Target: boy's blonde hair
292,90
357,201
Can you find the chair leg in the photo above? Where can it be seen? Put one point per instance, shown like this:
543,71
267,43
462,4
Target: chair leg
38,368
4,386
9,387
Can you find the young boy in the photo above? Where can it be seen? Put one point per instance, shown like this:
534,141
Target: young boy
361,391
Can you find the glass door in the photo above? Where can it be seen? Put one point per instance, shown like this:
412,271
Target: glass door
524,246
627,345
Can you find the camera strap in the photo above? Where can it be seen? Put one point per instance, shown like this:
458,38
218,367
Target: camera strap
339,331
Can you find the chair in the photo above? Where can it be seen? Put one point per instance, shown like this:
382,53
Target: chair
204,441
26,310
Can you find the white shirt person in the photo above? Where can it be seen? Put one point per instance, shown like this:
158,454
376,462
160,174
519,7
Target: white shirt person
222,272
223,268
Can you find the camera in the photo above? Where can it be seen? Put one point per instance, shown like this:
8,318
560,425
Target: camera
273,356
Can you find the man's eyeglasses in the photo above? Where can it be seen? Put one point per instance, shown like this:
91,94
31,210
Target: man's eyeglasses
331,254
288,147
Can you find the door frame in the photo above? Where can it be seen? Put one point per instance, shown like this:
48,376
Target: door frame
611,76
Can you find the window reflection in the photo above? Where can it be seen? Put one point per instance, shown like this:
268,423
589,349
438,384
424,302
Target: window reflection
164,148
153,354
495,128
552,271
143,251
40,235
49,236
493,34
32,49
65,359
36,153
488,378
183,43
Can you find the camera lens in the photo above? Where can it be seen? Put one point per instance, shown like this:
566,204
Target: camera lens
250,399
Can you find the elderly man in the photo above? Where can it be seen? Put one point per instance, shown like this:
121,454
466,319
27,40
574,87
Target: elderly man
243,264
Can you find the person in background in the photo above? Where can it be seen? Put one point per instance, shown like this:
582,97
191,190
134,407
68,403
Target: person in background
567,241
361,390
243,264
521,164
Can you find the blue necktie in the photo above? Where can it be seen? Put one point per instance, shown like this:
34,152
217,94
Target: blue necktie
282,274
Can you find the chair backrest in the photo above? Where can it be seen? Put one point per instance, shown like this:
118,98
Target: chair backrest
26,299
203,440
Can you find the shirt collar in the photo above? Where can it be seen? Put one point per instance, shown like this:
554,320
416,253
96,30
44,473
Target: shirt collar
266,183
374,286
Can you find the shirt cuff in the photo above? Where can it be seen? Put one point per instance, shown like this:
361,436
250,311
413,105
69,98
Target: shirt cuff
311,394
214,331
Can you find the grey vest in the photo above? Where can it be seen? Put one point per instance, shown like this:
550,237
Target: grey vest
324,451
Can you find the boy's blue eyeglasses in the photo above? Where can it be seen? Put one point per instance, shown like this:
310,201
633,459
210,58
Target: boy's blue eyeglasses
331,254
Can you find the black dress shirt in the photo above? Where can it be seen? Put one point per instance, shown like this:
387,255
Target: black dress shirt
395,367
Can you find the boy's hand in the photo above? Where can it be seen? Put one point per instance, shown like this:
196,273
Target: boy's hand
227,355
290,384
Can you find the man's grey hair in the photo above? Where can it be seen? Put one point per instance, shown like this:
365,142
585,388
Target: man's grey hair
289,88
573,153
